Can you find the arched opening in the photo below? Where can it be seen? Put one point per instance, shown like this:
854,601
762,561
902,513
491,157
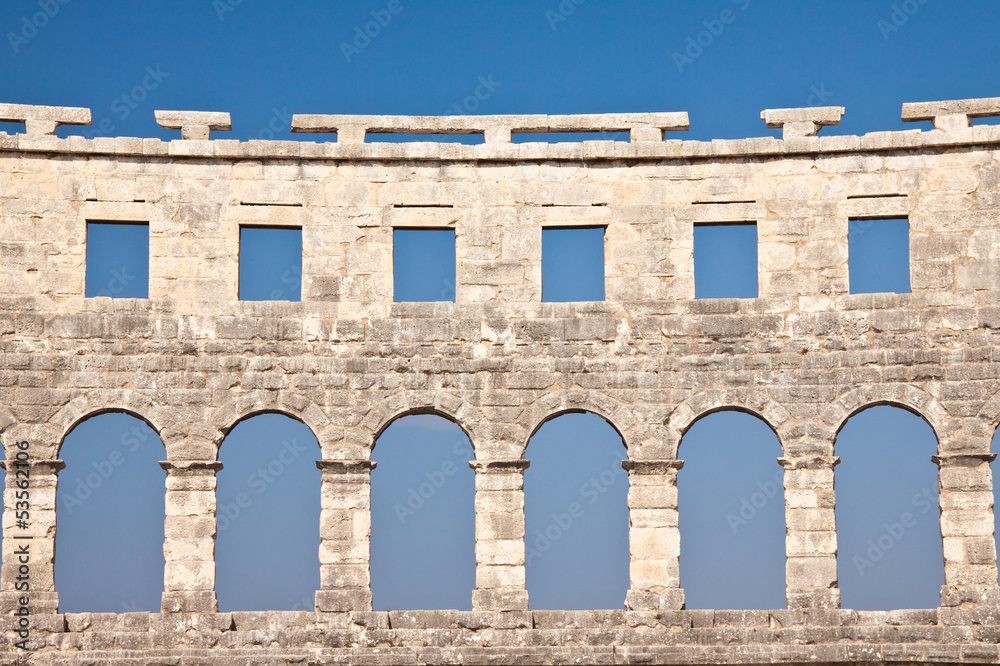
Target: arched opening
268,516
576,515
888,521
423,516
731,510
110,513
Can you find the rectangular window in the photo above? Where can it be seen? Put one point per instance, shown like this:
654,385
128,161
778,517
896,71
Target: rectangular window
270,264
878,256
423,265
572,264
117,260
725,260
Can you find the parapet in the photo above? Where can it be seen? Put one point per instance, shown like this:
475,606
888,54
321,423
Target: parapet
952,126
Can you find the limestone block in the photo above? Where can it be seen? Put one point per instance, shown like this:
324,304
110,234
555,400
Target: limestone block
969,523
500,552
824,254
654,543
648,518
189,575
189,550
499,526
340,576
810,544
811,571
648,574
810,520
499,576
190,502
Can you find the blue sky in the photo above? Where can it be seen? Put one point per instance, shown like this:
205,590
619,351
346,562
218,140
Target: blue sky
263,61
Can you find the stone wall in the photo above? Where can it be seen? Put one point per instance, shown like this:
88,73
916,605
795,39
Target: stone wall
192,360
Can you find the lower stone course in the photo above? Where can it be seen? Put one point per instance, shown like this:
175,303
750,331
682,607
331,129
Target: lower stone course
941,636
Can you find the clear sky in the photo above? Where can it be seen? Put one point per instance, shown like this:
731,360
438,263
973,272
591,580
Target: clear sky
723,61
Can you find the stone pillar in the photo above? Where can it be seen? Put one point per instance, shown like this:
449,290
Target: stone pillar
965,487
654,536
37,534
499,536
345,528
189,537
810,532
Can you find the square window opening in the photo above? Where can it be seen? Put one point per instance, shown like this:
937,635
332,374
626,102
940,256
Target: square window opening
12,128
572,264
568,137
878,255
725,260
986,120
270,264
117,259
423,265
405,137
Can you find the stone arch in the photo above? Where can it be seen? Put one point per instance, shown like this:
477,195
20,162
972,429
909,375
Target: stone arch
989,417
90,404
7,421
247,405
444,404
904,396
78,535
554,404
754,402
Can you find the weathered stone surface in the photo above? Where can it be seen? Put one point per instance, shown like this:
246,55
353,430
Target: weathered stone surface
193,359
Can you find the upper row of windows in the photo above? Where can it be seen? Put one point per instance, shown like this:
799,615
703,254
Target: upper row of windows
424,266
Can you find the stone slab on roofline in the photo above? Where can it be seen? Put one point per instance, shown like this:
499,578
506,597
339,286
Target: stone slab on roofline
952,114
757,148
496,129
194,125
646,134
802,122
43,120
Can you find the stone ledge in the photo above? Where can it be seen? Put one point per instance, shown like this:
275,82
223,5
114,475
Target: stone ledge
555,646
524,621
495,129
875,142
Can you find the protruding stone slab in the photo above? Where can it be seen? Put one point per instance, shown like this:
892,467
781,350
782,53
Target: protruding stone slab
802,122
952,114
43,120
495,129
194,125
